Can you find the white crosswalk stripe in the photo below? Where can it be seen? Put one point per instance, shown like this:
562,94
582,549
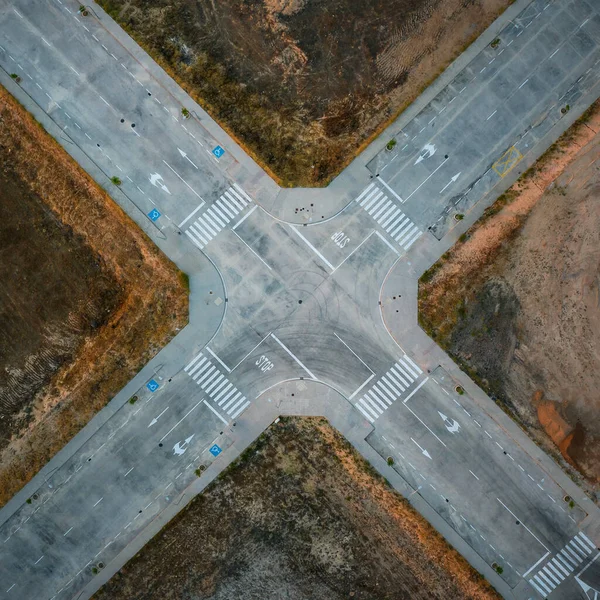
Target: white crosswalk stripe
555,571
391,219
220,390
388,389
215,218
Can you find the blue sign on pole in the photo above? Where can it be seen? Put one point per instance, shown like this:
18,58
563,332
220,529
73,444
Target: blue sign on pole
215,450
153,214
218,151
152,385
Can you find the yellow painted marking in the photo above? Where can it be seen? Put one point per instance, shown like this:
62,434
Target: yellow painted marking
507,161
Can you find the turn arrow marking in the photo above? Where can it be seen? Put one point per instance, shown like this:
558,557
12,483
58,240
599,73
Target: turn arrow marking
451,425
427,152
180,447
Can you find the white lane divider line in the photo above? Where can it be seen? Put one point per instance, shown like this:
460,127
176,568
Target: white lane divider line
293,356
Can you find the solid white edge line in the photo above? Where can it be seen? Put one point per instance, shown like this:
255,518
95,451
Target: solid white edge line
387,243
244,217
361,387
191,215
220,361
390,189
216,413
295,230
251,250
292,355
415,390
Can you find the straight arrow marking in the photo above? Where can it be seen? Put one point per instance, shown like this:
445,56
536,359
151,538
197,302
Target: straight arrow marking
155,420
186,157
422,449
451,181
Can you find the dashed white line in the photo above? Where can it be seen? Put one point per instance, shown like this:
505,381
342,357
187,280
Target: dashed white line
18,13
67,531
11,587
554,53
103,100
128,471
87,136
473,474
98,502
38,560
523,83
491,115
486,433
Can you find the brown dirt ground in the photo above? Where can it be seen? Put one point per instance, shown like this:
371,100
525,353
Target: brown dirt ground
304,84
301,516
518,303
86,298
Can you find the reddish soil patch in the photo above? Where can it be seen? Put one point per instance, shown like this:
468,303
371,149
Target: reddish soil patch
518,303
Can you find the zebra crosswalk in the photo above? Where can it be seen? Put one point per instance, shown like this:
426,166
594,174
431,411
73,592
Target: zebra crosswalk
218,387
389,388
562,565
215,218
391,219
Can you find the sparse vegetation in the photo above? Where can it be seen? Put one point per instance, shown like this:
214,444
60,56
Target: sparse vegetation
81,269
116,180
459,390
565,109
495,43
15,77
133,399
298,91
185,112
459,216
391,145
306,519
390,461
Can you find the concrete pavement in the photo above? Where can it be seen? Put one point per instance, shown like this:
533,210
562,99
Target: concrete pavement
310,304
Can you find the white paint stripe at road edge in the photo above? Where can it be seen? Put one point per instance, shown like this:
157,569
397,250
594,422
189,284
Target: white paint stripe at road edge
293,356
387,243
361,387
251,351
178,422
295,230
416,390
252,250
359,358
213,410
219,360
536,564
390,189
245,217
191,215
424,425
529,530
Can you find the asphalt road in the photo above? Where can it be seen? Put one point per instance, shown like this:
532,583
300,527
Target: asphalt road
297,296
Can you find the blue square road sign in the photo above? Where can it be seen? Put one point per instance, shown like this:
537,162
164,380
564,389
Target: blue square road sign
153,214
218,151
215,450
152,385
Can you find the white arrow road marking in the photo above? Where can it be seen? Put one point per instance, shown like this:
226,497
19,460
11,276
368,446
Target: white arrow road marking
427,152
451,425
180,447
451,181
155,420
156,181
422,450
186,157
